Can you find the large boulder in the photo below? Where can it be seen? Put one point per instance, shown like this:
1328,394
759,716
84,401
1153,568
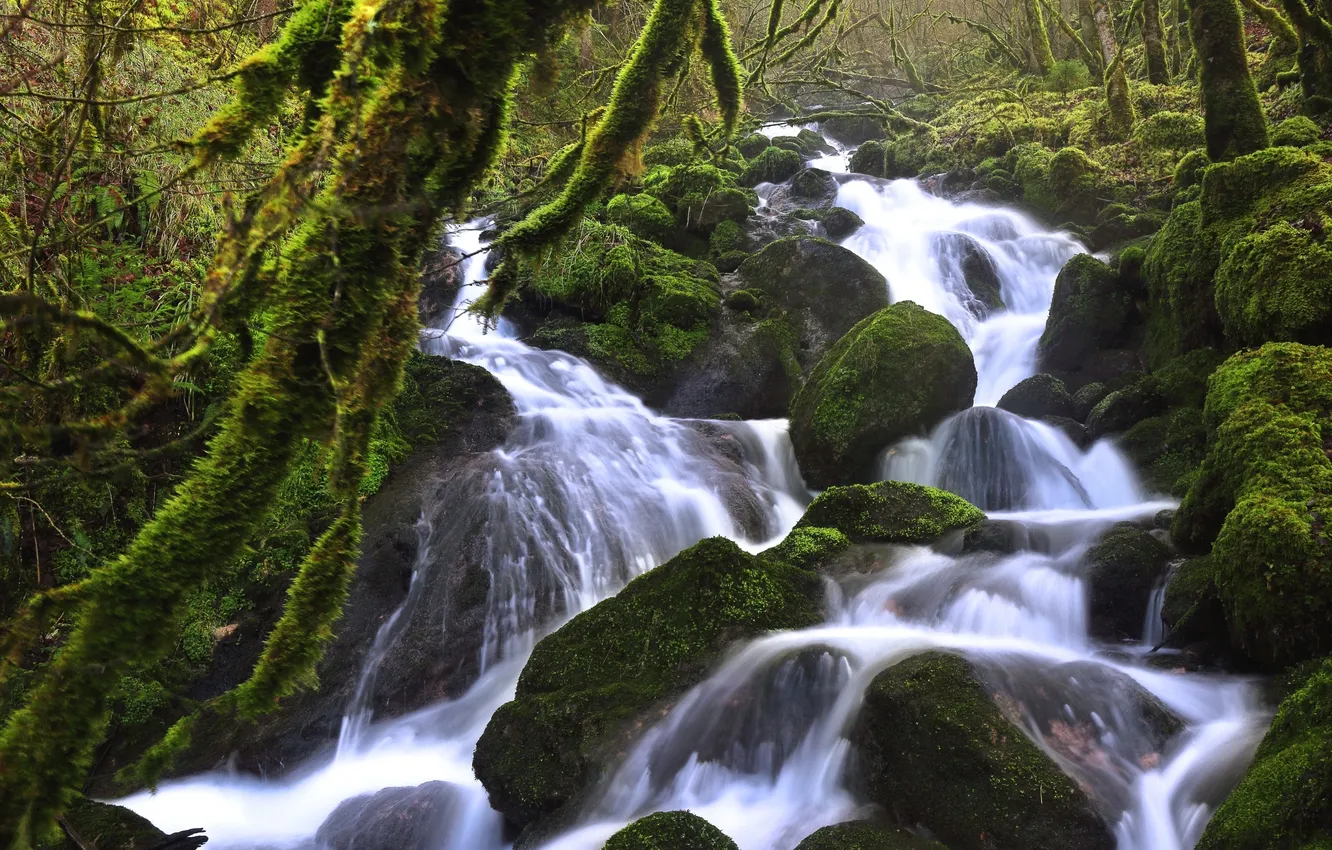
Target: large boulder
1038,397
865,835
89,824
1090,311
896,374
890,512
670,831
748,367
1124,408
937,751
823,288
1123,568
391,819
1285,799
590,685
773,165
1263,497
839,223
814,188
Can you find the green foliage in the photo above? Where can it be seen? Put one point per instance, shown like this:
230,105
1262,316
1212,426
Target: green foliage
1068,75
1172,131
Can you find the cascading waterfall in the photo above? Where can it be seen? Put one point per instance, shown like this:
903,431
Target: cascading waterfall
593,488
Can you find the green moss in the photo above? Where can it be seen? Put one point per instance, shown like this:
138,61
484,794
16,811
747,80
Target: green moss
1236,124
889,512
1296,132
726,238
897,373
1189,170
774,165
642,215
939,753
670,831
1262,496
675,151
1089,312
1170,131
753,145
870,158
807,546
1277,285
1282,802
102,825
863,835
612,667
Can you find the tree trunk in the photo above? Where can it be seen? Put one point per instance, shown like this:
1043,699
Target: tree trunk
266,7
1157,72
1087,25
1315,53
1235,121
1116,81
1040,39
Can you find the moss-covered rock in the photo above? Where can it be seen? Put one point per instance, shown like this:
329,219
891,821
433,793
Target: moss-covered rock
747,368
865,835
1124,408
897,373
823,288
1037,397
814,186
869,158
753,145
1262,499
1090,311
90,824
1192,610
1063,186
670,831
1167,449
1296,132
839,223
726,238
589,684
1123,568
774,165
889,512
642,215
1285,800
1245,263
677,151
702,213
938,752
1086,399
1170,131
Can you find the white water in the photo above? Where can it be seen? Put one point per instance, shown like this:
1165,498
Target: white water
768,768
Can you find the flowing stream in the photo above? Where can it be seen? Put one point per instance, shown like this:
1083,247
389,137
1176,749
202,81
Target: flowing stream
592,488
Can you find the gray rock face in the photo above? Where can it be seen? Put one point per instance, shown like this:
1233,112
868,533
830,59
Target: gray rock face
748,367
392,819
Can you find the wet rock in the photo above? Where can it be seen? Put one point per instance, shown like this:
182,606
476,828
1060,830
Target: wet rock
979,274
1163,519
935,750
851,129
1001,537
670,831
1122,409
748,368
1038,397
839,223
1112,366
870,158
1086,399
589,687
441,278
814,187
725,442
865,835
774,165
392,819
823,288
1089,312
1122,570
1192,609
896,374
1071,428
890,512
90,824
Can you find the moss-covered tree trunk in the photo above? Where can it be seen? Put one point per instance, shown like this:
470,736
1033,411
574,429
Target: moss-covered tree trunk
1117,95
1313,24
1158,73
1087,31
1042,55
1236,124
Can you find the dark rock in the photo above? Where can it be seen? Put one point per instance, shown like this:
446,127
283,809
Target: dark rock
936,751
753,145
896,374
969,272
852,130
441,278
865,835
392,819
670,831
1071,428
869,158
774,165
1089,312
839,223
1038,397
1086,399
1124,408
1111,366
1000,537
1122,570
90,824
748,368
1163,519
823,288
814,185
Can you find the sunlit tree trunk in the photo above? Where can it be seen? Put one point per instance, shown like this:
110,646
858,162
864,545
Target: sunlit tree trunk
1235,121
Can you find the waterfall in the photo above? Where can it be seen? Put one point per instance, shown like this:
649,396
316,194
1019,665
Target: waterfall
593,488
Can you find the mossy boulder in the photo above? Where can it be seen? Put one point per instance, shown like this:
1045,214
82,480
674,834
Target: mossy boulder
747,368
642,215
1296,132
1245,263
1038,397
865,835
1086,399
852,129
814,187
702,213
889,512
1124,408
870,158
1167,449
590,684
726,238
937,751
1170,131
1191,608
90,824
839,223
753,145
670,831
677,151
1090,311
896,374
1284,802
1262,499
774,165
823,288
1123,568
1063,186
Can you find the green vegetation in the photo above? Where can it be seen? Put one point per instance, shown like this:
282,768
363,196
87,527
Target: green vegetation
887,512
670,831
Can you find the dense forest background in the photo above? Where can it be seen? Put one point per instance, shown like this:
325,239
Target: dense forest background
213,215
